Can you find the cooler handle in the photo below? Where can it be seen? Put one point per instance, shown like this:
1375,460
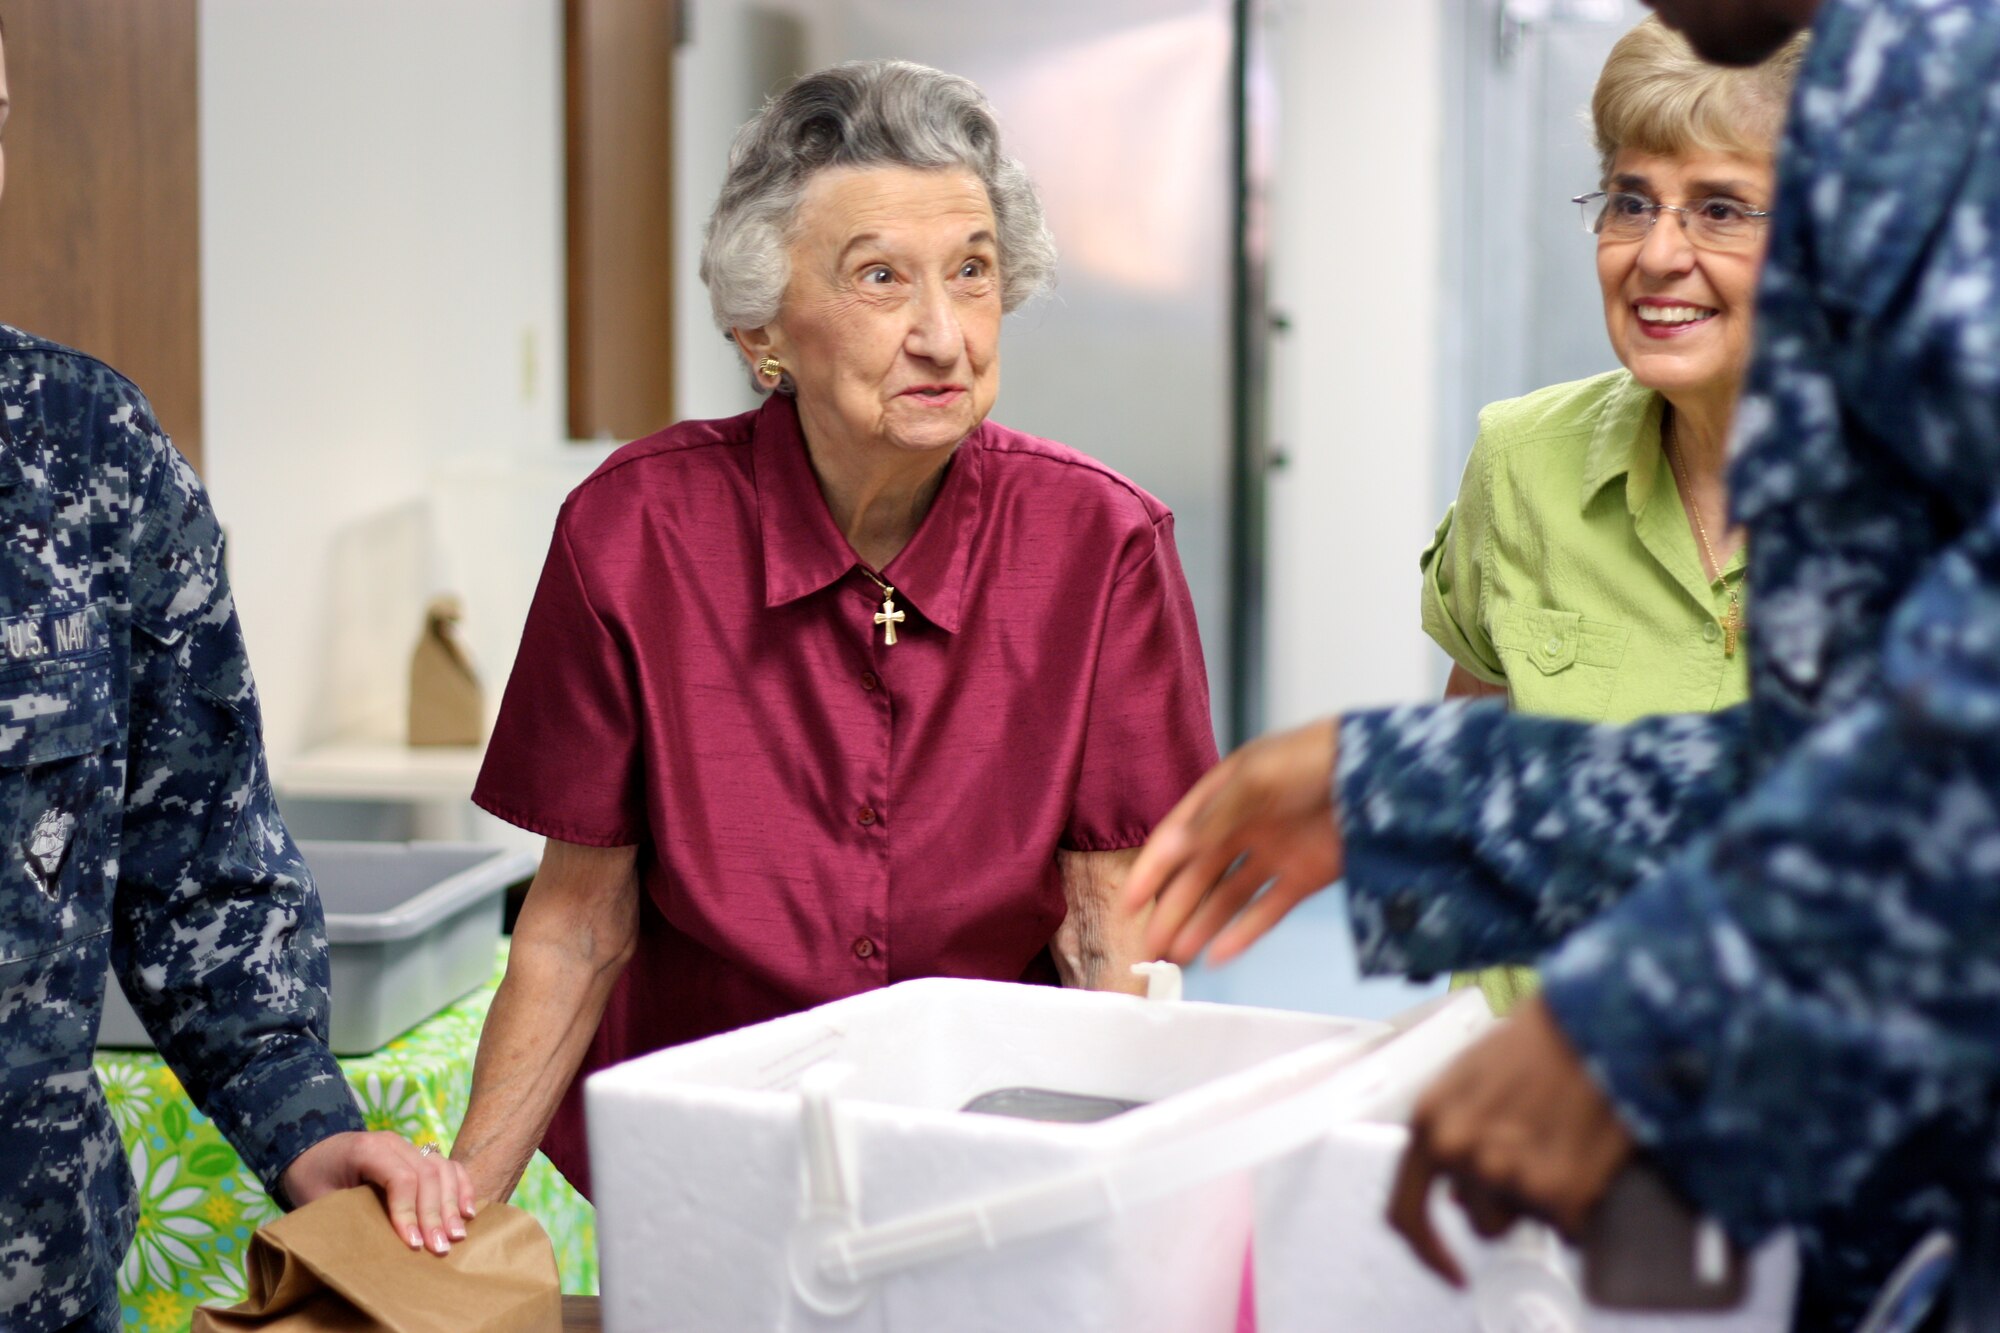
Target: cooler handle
1373,1087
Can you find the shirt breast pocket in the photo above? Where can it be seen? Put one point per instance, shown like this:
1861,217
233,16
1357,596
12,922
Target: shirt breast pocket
1559,664
58,788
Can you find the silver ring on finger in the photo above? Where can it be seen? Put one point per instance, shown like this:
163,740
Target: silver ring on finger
429,1150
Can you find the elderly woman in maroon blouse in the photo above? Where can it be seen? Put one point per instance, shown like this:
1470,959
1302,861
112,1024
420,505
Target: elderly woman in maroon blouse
856,687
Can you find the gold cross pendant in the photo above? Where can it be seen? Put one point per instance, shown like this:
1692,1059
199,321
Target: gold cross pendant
1732,624
889,617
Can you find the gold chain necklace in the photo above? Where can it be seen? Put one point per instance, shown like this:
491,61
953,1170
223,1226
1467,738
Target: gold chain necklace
1732,622
888,617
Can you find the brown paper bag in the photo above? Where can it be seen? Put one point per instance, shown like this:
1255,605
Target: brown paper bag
336,1266
446,706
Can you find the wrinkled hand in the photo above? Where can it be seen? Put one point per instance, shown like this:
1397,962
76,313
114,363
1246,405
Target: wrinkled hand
1520,1129
1262,816
428,1196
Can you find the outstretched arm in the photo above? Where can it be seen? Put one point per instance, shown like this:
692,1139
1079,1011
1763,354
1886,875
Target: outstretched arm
1467,836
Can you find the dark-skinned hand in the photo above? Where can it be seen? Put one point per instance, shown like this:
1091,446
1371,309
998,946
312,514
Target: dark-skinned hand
1519,1129
1263,816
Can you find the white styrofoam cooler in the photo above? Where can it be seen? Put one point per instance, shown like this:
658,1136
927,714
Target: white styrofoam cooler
697,1158
815,1173
1322,1246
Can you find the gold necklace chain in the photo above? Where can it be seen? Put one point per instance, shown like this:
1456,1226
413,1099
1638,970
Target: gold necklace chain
1694,509
1732,623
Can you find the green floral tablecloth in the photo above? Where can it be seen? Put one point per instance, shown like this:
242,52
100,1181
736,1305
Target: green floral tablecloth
198,1204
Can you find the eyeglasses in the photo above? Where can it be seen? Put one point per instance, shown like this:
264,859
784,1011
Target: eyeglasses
1618,218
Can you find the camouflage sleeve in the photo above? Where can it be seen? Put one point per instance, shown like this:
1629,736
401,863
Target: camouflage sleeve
218,936
1819,979
1477,837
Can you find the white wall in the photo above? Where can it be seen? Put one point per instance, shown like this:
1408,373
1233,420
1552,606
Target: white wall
381,258
382,255
732,60
1355,385
1357,265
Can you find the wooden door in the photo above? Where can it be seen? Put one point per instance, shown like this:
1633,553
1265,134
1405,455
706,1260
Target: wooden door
620,68
100,233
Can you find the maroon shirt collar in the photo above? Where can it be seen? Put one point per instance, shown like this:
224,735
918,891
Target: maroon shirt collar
804,551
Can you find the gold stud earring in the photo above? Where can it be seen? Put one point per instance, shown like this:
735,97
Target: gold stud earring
770,367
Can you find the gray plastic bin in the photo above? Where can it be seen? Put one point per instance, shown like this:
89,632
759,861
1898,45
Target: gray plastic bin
413,927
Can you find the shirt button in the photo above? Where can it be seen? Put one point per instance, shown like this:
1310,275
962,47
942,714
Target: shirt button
1710,632
865,815
1552,647
864,947
870,681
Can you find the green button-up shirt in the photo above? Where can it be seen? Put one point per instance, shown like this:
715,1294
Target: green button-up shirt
1567,572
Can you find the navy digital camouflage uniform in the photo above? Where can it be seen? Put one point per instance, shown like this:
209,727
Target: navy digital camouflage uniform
1776,929
137,827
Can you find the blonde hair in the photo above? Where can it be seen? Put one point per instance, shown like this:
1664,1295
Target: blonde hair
1657,96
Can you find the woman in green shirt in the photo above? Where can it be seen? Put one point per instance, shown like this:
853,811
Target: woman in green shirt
1588,568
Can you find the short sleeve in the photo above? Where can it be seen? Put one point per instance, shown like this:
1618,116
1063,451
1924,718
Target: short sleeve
1149,734
564,758
1454,575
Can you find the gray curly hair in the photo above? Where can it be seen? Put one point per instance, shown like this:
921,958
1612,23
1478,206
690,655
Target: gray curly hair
865,113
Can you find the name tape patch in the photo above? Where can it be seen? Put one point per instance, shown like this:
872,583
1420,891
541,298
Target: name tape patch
52,632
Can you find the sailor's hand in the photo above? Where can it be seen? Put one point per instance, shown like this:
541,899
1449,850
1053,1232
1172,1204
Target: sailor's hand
1263,816
1519,1128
